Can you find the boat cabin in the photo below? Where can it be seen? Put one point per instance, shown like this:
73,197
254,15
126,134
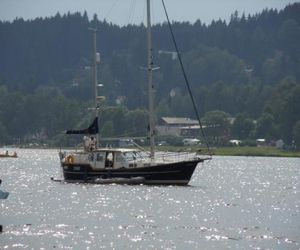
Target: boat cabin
106,158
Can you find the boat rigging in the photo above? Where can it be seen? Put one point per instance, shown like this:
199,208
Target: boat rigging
122,165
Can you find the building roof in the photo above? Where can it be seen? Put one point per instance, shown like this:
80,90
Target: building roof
179,121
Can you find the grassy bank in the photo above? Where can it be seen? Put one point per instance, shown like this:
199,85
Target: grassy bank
240,151
255,151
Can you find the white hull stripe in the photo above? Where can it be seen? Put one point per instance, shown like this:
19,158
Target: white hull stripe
120,173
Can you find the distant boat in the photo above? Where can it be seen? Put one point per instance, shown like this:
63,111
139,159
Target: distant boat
6,154
121,165
3,195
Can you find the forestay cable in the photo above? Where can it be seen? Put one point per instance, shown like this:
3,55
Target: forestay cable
185,76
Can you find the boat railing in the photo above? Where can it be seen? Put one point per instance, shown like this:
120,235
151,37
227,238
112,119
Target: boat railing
174,156
165,156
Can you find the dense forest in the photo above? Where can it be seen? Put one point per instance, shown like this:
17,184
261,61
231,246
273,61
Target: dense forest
246,71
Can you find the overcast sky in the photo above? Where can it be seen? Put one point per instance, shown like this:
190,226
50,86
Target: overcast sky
123,12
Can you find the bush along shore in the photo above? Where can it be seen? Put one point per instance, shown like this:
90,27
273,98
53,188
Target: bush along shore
237,151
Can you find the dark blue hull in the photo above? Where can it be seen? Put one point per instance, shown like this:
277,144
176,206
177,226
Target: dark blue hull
178,173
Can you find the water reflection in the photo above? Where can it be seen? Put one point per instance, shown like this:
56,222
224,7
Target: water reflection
232,203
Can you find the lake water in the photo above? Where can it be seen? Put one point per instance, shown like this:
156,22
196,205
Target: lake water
231,203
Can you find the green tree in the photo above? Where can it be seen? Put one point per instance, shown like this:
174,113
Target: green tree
285,107
289,36
273,68
217,126
136,122
296,134
107,129
265,126
242,127
3,134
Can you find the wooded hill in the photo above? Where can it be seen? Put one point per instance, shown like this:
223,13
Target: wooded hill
248,68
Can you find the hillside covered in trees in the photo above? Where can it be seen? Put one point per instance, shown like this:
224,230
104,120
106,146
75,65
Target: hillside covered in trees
247,69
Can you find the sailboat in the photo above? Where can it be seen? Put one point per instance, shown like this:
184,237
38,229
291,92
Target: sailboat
123,165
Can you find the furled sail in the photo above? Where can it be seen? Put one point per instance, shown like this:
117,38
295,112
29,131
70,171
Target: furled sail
91,130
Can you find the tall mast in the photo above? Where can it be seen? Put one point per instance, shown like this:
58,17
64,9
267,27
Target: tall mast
150,84
95,75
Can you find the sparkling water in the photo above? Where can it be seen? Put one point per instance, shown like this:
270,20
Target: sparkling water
231,203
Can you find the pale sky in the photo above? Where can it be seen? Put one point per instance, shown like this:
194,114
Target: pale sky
122,12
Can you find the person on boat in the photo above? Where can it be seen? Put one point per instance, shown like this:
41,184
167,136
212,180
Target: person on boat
92,143
86,143
15,154
6,153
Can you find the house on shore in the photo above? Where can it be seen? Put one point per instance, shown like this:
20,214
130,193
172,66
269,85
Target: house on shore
178,126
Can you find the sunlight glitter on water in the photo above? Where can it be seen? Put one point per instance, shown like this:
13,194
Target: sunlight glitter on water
232,203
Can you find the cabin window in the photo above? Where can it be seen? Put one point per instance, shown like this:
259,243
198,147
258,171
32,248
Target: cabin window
130,156
120,157
100,157
91,157
132,165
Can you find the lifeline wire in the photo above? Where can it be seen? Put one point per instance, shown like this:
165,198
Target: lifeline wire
185,76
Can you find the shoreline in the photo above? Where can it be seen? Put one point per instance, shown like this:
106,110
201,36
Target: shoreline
239,151
218,151
255,151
